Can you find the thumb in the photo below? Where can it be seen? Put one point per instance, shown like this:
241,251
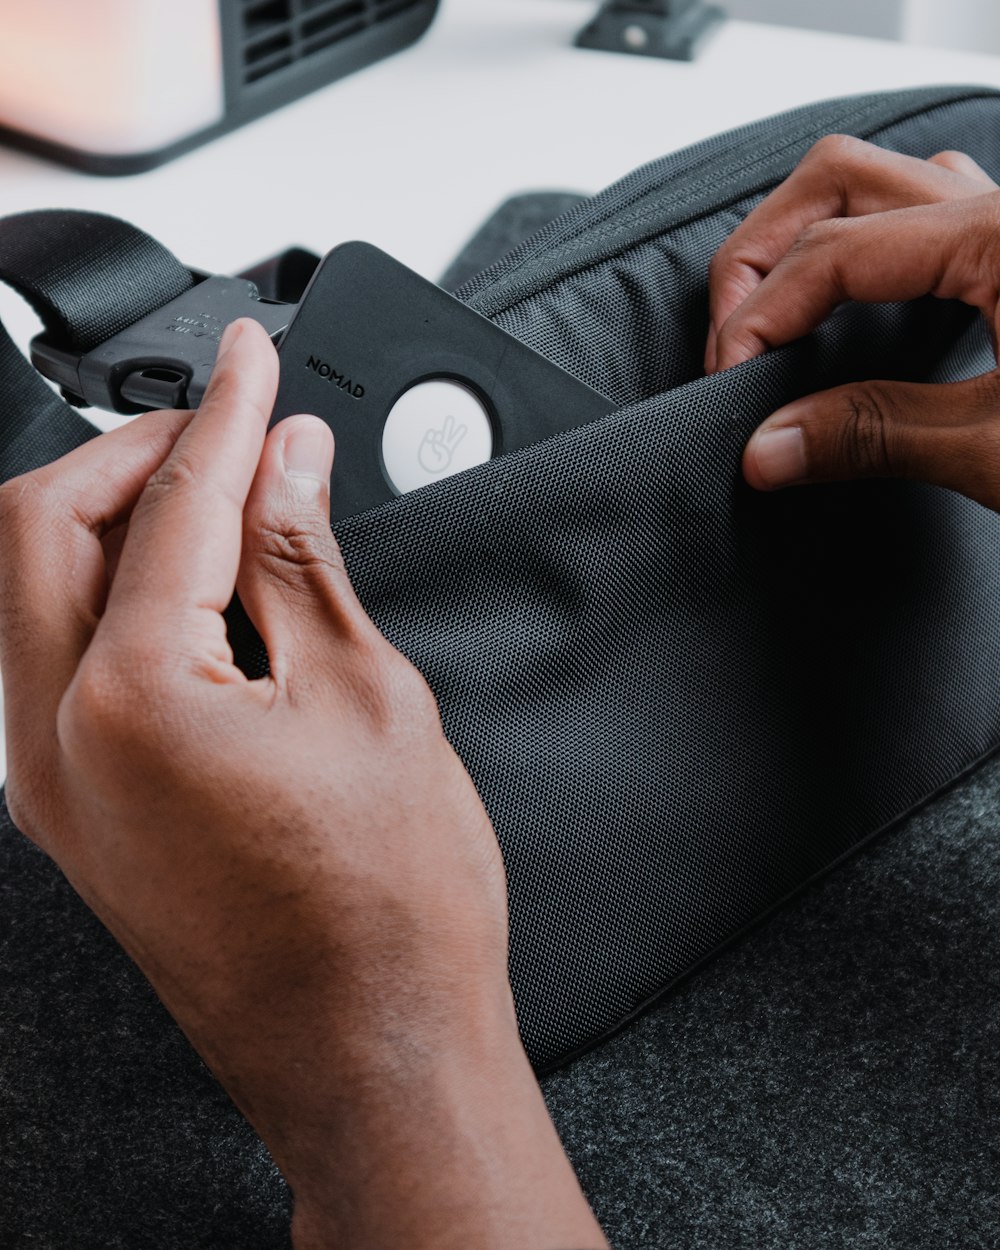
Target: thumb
948,434
292,580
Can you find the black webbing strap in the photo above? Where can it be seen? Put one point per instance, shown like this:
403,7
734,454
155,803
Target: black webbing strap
88,276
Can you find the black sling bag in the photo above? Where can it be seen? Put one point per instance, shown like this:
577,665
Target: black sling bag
680,700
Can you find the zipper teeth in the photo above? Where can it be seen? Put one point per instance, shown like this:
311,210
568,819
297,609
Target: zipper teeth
609,223
634,187
658,172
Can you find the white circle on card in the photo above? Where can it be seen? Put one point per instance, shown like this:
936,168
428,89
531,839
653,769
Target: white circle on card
433,430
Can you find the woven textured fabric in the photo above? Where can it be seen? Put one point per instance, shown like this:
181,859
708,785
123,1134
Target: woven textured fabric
679,699
515,221
88,276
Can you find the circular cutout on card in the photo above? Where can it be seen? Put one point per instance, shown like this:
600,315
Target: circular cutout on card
433,430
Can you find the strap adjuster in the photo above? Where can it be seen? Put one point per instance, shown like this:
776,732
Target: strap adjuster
166,358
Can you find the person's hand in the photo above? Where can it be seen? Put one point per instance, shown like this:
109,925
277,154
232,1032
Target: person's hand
855,222
299,864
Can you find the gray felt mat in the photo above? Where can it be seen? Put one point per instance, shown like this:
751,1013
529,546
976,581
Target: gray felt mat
832,1081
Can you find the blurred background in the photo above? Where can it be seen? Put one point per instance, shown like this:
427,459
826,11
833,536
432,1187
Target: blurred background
971,24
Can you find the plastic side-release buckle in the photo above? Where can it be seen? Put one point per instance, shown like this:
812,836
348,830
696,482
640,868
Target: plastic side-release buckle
166,358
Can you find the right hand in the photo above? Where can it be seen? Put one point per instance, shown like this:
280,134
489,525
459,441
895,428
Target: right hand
855,222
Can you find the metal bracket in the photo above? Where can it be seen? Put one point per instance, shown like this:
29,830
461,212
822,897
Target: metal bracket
666,28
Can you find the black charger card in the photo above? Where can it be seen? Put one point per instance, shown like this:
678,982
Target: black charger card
414,384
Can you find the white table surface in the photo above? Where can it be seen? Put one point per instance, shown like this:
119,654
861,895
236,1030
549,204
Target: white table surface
412,153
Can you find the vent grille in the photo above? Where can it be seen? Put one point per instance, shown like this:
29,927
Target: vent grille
278,33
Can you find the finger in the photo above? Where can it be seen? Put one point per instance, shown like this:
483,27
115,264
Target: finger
292,579
947,434
839,177
962,163
53,520
112,543
52,573
178,566
941,249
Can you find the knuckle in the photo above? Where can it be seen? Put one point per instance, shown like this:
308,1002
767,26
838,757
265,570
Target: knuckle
818,236
984,400
819,252
298,547
835,151
973,265
733,273
225,387
18,809
20,504
230,391
961,163
28,795
718,266
950,155
177,473
91,709
865,447
37,518
112,706
740,339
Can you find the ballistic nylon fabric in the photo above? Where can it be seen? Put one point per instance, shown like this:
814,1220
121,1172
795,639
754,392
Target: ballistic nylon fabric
757,682
516,220
681,699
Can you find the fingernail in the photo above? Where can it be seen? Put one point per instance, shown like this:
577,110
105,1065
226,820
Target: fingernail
229,336
780,455
307,450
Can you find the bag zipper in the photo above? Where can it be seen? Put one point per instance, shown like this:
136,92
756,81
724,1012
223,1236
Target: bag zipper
698,180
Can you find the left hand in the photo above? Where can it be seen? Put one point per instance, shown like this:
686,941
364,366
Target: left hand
300,864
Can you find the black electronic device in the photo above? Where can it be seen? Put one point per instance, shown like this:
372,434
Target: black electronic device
414,384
